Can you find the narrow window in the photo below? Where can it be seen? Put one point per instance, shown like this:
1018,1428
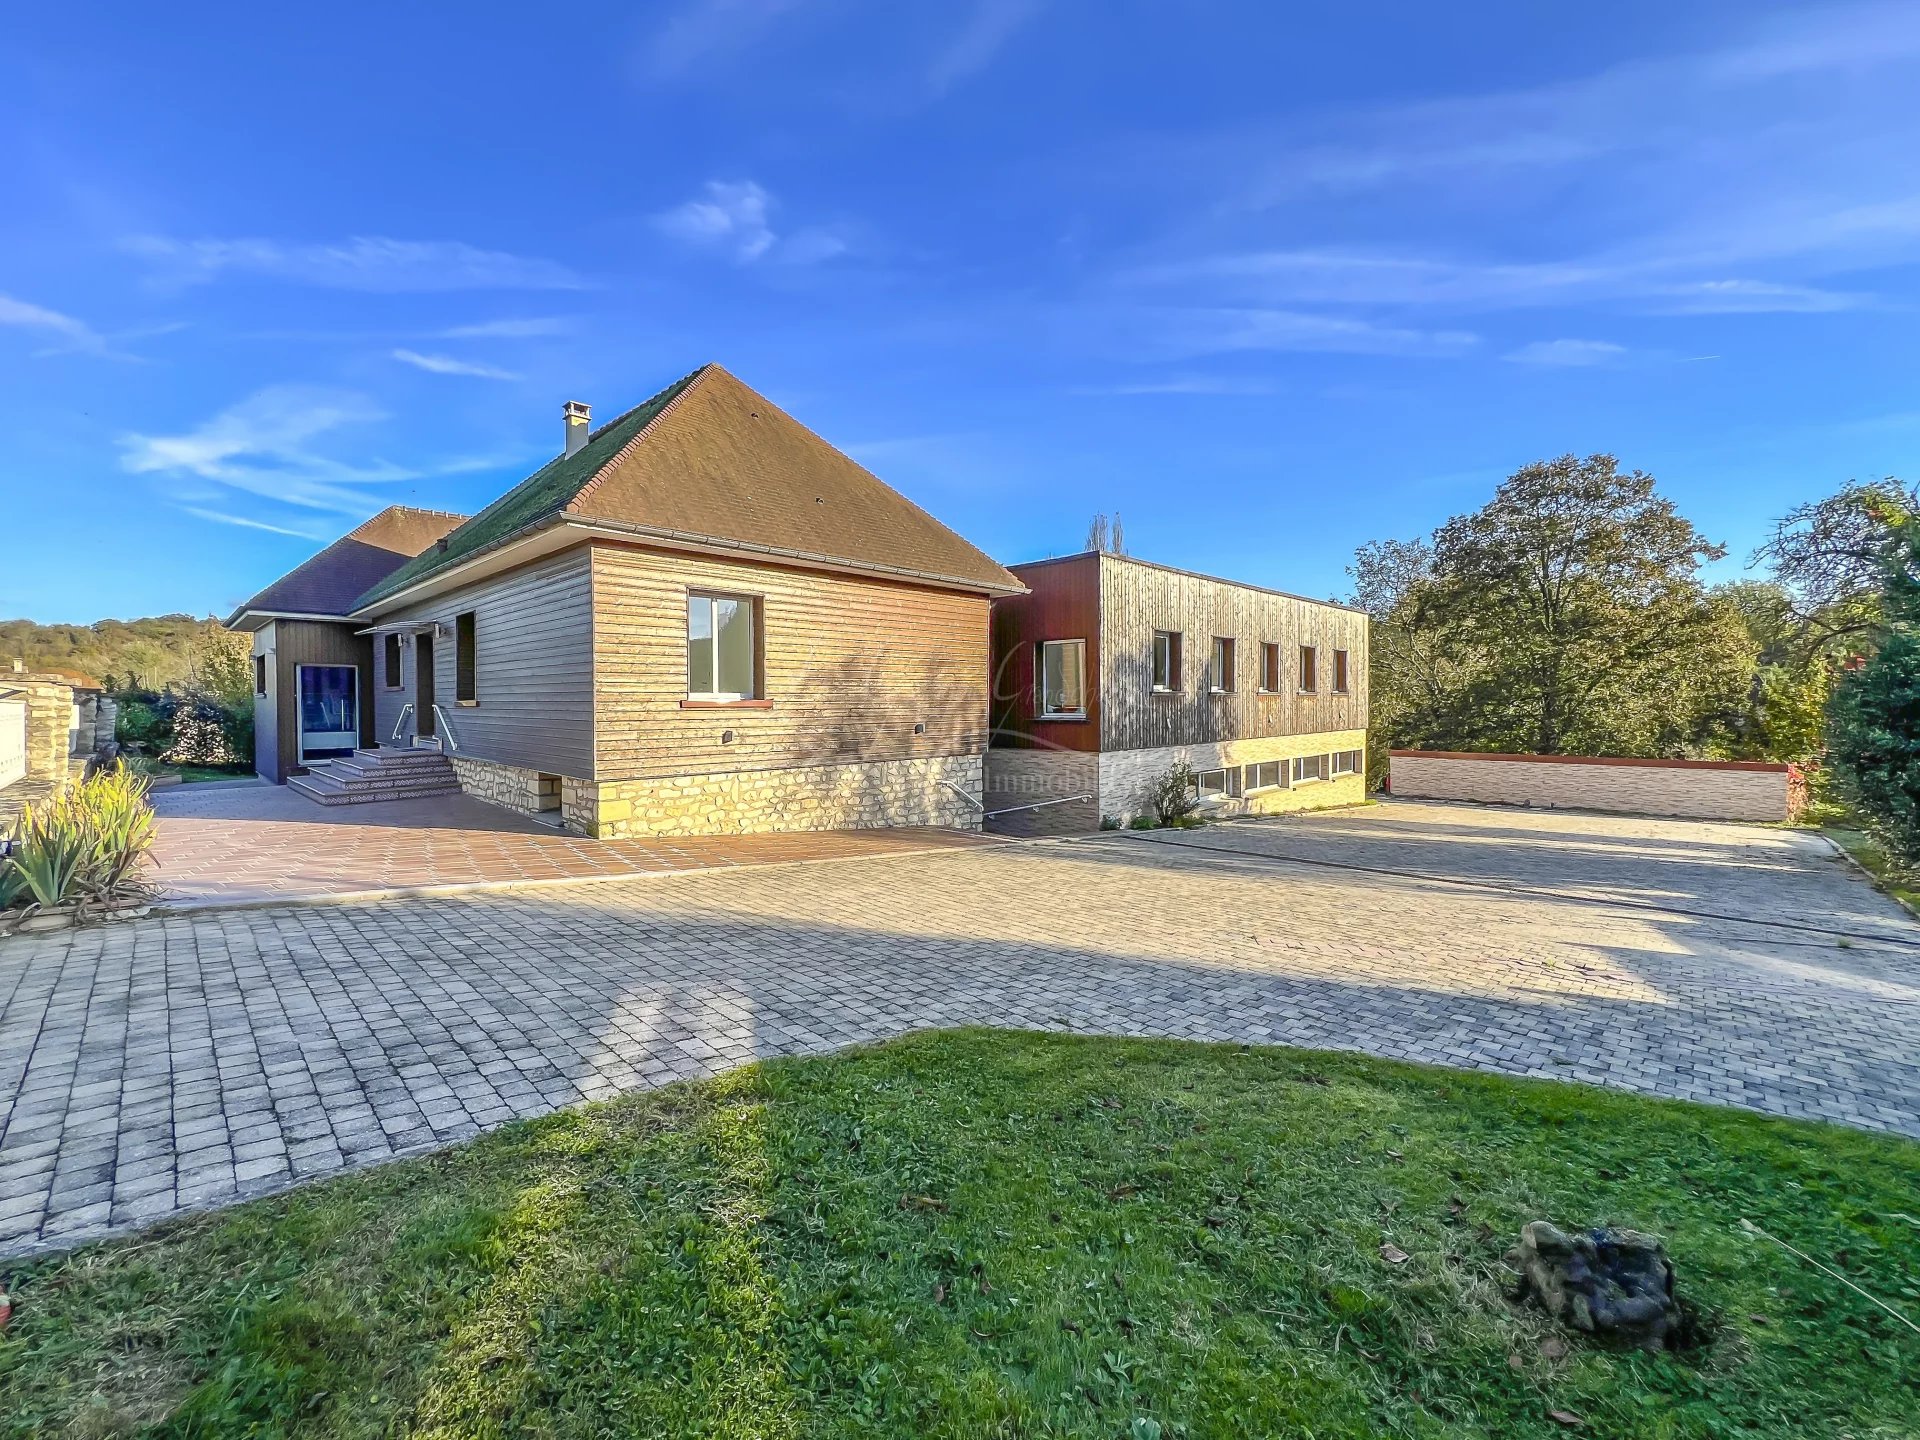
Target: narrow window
1269,667
1340,672
391,659
722,648
1166,661
1221,681
1309,679
465,689
1060,679
259,674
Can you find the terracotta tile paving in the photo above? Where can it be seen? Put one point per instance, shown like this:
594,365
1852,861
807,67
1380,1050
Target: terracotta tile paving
225,845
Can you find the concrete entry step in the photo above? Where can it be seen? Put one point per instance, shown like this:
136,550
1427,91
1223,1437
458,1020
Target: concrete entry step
383,774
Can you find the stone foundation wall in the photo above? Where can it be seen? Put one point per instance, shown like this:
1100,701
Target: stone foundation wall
1695,789
509,786
1127,776
760,802
49,727
1024,777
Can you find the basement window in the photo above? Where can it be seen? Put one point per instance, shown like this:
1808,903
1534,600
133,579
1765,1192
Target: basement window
1267,775
1347,762
1308,768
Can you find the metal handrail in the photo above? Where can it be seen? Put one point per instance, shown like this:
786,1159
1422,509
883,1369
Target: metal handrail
445,727
1037,805
400,720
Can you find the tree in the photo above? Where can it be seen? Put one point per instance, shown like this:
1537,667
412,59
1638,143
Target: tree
1564,616
1829,556
1873,736
1106,535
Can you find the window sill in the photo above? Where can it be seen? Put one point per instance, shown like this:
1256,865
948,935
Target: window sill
726,704
466,704
1306,692
1166,690
1219,692
1078,717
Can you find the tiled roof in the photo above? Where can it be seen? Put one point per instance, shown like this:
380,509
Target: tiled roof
333,580
708,461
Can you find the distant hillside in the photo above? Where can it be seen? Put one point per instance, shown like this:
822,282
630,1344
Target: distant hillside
151,652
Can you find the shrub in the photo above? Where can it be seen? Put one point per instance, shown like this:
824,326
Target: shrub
1873,727
1175,795
207,731
144,723
1143,822
84,844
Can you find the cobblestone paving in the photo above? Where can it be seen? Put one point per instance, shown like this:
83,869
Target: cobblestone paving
183,1062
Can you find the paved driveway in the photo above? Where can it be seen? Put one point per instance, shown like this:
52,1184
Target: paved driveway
162,1065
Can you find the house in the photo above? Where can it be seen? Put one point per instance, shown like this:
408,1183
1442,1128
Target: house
1110,671
699,618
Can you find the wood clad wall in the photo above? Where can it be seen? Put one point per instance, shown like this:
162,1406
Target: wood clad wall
312,642
1136,599
851,665
266,711
1064,605
533,667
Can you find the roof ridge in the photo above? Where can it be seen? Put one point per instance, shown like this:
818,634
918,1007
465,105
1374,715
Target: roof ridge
687,386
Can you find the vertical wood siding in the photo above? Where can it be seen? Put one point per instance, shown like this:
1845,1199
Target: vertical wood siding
310,642
850,666
1064,605
533,667
1136,599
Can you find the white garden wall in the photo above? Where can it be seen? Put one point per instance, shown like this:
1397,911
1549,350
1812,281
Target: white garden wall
1697,789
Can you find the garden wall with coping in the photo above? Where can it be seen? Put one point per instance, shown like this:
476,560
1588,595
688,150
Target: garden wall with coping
1692,789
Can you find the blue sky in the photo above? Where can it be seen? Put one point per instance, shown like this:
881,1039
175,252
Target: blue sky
1269,280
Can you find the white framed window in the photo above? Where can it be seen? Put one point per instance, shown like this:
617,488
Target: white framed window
1166,661
1267,775
1348,762
723,657
1211,784
1220,675
1309,669
1339,672
1269,667
1308,768
1060,679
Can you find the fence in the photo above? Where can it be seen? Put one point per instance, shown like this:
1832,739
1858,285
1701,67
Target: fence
1695,789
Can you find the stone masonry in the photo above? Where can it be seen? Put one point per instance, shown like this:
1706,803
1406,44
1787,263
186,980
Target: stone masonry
763,802
1031,777
1704,790
510,786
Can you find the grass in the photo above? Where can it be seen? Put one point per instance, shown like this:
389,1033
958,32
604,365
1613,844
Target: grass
1901,883
976,1233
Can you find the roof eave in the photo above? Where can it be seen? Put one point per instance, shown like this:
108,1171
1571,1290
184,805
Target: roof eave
236,621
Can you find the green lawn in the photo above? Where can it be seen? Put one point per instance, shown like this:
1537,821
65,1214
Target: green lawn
1900,883
191,774
978,1233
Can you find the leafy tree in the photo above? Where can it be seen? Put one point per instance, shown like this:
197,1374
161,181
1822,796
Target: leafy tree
1564,616
1829,556
1873,737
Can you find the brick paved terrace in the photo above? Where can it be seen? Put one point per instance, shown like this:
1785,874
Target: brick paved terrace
241,845
189,1061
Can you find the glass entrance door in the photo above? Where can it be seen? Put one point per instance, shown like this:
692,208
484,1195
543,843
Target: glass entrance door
329,711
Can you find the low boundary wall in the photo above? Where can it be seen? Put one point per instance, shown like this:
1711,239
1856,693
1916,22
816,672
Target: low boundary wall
1694,789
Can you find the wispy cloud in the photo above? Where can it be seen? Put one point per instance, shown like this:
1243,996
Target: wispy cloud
735,218
706,30
1186,385
68,334
448,365
266,446
1180,334
222,517
1567,353
989,25
369,263
532,327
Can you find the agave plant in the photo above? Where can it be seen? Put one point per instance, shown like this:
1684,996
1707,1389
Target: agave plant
84,844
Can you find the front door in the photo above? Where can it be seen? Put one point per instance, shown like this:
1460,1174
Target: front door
423,683
329,711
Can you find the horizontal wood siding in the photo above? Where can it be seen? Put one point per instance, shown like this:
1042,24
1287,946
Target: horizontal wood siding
266,711
533,663
388,705
1138,599
850,666
1064,604
311,642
